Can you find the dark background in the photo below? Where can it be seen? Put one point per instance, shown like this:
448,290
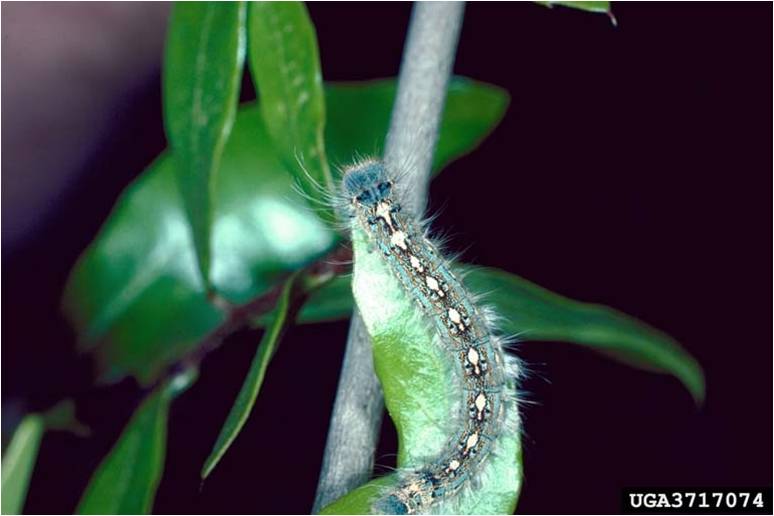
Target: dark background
633,168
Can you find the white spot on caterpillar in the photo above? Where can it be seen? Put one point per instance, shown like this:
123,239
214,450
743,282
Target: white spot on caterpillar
480,404
434,285
398,238
472,441
463,336
383,211
473,356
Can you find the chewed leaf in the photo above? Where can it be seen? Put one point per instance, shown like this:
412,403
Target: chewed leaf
19,461
202,72
240,411
535,313
285,65
126,480
418,379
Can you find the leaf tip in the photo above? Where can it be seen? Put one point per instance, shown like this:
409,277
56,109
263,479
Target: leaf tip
204,473
209,466
699,388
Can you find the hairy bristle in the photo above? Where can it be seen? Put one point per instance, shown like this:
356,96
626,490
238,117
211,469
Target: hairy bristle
484,377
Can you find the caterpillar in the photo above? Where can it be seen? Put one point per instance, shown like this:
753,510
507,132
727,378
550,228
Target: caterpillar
481,377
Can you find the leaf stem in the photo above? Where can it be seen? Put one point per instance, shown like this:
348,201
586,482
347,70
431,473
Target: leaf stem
428,58
239,316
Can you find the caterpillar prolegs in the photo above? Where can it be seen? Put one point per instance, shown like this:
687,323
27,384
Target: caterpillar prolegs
471,377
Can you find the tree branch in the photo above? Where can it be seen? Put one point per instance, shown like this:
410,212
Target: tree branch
416,117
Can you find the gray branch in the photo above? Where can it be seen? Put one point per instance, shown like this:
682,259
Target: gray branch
424,76
428,58
355,422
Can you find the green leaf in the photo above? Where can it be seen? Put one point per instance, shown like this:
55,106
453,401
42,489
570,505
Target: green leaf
416,374
535,313
473,109
361,499
126,480
285,65
331,301
243,405
136,297
202,73
594,7
18,462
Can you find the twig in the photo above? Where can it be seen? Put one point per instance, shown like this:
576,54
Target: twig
240,316
416,117
355,422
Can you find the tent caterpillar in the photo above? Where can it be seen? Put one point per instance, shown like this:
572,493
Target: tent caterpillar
480,373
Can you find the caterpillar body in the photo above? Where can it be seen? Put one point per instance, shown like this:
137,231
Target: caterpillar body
481,374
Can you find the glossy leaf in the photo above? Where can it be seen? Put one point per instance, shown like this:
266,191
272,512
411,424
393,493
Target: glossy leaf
126,480
536,314
285,65
473,110
135,294
245,400
18,462
202,73
136,297
361,499
418,381
331,301
594,7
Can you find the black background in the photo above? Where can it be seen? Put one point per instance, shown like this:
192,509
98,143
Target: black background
633,168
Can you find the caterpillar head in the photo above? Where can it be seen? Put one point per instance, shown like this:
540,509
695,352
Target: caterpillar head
366,184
